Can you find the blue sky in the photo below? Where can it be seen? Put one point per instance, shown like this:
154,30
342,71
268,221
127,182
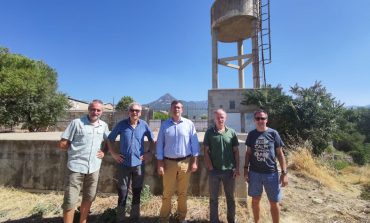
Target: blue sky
144,49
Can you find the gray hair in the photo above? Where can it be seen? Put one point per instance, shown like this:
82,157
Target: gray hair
132,104
219,110
95,101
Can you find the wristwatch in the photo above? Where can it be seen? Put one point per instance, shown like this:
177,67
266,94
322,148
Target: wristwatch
284,172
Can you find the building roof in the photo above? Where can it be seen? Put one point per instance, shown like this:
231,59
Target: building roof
79,105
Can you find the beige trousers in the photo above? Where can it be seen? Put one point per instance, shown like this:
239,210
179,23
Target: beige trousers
176,173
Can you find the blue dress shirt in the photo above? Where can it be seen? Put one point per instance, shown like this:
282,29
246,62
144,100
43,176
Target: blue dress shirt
131,140
177,140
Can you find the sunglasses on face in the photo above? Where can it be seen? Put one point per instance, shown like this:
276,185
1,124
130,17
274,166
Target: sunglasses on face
260,118
135,110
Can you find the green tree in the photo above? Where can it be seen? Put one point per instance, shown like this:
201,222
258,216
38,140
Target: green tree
278,106
352,135
363,123
317,112
123,104
28,93
160,115
311,114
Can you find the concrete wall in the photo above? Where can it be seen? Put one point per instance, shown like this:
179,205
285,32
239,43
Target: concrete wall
38,164
229,100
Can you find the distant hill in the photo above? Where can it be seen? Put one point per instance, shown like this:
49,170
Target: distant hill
356,106
162,103
192,109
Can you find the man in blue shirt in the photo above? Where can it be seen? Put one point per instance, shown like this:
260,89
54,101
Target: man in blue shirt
177,155
82,140
130,159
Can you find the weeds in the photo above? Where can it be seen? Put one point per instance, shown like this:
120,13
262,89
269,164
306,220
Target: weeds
339,164
303,161
3,213
356,174
41,209
146,194
365,194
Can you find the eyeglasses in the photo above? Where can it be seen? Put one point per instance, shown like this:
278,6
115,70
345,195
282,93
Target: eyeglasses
93,109
135,110
260,118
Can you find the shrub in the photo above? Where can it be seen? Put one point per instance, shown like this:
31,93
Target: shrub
365,194
40,210
146,194
311,113
160,115
360,157
339,164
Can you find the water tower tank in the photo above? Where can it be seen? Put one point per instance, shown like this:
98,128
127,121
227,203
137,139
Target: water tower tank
232,19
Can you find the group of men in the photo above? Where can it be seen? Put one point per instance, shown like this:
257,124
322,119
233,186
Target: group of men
177,151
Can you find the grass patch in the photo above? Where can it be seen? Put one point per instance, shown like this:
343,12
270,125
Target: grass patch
339,164
39,210
365,194
3,213
146,194
303,161
16,203
356,174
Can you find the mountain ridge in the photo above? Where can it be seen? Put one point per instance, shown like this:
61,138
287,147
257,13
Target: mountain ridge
193,109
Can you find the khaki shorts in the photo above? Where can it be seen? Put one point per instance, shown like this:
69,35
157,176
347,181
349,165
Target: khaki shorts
72,188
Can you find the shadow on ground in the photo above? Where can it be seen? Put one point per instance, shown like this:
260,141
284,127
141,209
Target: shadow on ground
91,219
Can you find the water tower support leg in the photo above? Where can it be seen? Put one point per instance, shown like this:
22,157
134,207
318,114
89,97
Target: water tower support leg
240,63
214,60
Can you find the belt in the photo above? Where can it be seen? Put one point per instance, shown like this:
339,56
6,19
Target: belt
177,159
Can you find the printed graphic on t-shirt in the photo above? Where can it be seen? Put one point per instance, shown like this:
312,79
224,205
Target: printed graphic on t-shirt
261,149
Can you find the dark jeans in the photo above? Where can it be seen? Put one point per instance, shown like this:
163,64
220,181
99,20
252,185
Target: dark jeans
215,178
135,176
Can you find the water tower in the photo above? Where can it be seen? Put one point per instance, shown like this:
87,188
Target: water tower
238,21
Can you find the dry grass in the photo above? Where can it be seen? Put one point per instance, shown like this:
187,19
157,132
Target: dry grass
20,204
16,204
302,161
198,208
356,175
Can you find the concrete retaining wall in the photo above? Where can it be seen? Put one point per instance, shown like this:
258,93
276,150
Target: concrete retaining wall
38,164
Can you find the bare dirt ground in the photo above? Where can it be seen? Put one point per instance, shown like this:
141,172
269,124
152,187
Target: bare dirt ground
305,200
308,201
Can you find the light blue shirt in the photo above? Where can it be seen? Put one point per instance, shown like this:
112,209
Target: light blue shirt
86,140
176,140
